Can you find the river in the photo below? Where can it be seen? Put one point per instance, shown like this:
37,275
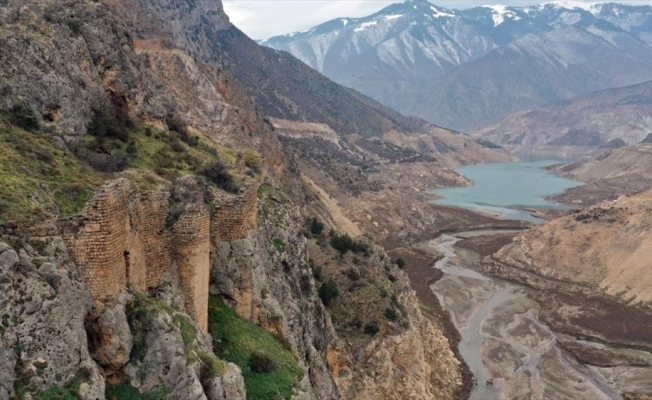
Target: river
508,349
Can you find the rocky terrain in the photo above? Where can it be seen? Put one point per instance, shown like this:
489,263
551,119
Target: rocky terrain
590,273
588,124
153,235
464,68
625,171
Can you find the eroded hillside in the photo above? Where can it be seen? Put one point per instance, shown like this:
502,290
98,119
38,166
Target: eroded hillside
590,269
624,171
152,219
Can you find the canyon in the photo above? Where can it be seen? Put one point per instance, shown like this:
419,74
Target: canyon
187,214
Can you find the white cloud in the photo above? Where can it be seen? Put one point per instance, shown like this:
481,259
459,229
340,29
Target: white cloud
265,18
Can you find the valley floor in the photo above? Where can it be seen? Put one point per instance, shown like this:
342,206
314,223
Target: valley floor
511,348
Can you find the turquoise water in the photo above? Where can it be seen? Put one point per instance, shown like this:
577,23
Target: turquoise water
501,188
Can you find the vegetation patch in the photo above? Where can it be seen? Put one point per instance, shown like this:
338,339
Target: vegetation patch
279,244
249,346
328,291
39,179
69,391
344,243
123,390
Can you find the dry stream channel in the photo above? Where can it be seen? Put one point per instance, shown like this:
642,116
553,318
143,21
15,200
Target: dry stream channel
512,354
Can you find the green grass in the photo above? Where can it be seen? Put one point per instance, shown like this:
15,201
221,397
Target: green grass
30,159
188,330
33,166
236,340
124,391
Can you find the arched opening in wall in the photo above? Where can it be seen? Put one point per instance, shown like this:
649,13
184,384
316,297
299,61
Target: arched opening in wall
127,257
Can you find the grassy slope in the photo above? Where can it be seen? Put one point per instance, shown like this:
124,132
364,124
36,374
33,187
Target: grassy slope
236,340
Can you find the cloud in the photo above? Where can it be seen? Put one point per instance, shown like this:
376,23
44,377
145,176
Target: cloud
261,19
264,18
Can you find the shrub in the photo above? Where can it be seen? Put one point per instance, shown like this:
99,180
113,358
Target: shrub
400,263
75,26
107,122
328,291
352,274
217,173
260,363
372,328
109,162
342,243
391,314
24,117
316,226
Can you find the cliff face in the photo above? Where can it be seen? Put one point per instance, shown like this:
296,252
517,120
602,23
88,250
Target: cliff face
122,281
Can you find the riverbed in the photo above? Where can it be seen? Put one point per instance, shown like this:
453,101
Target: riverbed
509,350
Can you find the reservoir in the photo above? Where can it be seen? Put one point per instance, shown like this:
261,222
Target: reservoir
509,350
502,188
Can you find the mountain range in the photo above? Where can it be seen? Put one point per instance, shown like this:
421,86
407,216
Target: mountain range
462,69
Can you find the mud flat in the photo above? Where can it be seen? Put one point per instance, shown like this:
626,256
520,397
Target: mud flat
512,353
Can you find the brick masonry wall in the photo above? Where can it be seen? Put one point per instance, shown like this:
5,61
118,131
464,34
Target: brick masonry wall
121,237
191,250
233,216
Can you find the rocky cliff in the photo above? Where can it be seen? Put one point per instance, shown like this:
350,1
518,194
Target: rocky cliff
143,191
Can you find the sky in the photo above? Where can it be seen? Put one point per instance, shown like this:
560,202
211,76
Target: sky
261,19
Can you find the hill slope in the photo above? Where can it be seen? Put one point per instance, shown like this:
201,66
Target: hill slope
578,126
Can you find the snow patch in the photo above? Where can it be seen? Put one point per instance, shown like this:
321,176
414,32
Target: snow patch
499,12
574,5
391,17
437,13
365,25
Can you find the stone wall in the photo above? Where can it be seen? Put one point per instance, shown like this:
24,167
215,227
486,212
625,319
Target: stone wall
191,251
233,216
125,237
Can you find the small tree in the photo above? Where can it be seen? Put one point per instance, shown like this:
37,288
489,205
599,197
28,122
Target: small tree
372,328
24,117
328,291
400,262
316,226
342,243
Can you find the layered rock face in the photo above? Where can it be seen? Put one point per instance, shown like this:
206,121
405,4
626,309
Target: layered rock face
624,171
605,247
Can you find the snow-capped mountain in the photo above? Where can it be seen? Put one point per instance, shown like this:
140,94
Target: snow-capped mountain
414,56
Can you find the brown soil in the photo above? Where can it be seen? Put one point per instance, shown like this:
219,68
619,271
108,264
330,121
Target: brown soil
599,357
487,245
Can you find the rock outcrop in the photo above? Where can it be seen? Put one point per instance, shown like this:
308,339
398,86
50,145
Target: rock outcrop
115,297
